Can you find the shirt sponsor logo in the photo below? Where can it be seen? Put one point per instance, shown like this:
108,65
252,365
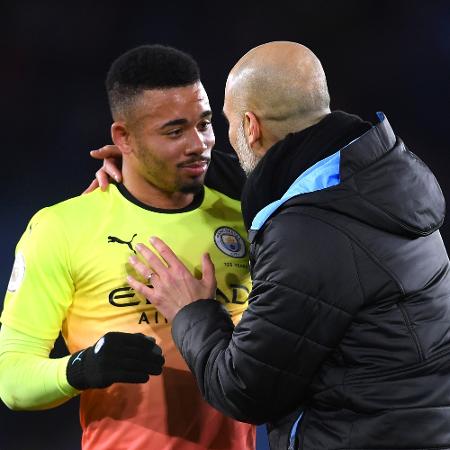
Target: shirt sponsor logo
126,297
229,242
18,273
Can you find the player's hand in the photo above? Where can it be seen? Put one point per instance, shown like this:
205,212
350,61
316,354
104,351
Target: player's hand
173,285
112,162
115,358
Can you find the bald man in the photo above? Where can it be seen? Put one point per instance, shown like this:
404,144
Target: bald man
346,340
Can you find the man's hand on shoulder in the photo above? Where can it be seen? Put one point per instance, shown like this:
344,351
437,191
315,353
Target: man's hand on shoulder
111,168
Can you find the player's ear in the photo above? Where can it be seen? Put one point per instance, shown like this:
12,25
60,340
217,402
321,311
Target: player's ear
121,137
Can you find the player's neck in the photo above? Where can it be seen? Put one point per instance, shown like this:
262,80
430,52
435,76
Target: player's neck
151,195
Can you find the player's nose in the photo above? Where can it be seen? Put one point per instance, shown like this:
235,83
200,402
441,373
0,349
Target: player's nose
198,142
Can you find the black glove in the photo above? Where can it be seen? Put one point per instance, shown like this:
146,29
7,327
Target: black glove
115,358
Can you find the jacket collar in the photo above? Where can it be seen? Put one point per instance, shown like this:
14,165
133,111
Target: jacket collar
288,159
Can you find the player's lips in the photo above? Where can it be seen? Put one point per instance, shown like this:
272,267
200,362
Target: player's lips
195,168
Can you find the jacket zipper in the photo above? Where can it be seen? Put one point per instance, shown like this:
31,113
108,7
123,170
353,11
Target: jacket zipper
293,433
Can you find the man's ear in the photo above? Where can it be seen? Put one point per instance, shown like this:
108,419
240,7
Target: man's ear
252,127
121,137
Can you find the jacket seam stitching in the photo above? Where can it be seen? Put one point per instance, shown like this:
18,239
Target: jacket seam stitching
187,331
411,330
376,375
356,241
276,369
298,336
398,222
357,269
273,283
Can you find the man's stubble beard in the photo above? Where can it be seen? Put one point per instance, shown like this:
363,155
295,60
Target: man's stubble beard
247,158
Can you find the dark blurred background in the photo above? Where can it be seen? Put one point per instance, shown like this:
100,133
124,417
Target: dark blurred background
392,56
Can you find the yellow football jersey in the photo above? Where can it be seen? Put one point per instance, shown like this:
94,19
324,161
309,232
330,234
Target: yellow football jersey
70,275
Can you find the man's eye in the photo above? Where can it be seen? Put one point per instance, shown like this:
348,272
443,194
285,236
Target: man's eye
204,125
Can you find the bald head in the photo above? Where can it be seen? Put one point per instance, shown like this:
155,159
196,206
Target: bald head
283,84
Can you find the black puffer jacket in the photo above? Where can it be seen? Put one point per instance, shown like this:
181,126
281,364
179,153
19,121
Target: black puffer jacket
349,317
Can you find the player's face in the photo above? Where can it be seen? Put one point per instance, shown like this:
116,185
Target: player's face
172,137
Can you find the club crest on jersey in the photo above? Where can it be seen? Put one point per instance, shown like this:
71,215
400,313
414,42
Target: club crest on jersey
229,242
18,273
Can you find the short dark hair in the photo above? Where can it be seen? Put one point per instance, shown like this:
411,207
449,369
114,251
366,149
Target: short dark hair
147,67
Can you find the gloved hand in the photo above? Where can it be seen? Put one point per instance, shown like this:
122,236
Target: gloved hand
115,358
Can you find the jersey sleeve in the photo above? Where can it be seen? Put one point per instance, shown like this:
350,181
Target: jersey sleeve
29,379
41,286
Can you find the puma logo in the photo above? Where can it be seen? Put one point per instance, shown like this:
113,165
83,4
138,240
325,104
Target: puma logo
78,358
120,241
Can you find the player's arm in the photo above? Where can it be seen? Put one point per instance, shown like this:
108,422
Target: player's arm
39,294
29,379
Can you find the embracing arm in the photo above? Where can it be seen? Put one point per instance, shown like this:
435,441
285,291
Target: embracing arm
305,292
302,302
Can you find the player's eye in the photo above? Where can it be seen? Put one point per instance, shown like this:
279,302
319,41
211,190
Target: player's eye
204,125
175,132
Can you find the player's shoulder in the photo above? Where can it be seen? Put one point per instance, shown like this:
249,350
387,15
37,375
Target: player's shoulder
75,209
81,205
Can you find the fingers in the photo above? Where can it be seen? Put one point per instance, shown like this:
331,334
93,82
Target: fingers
133,350
166,252
111,167
107,151
91,187
153,261
112,157
102,178
139,287
140,267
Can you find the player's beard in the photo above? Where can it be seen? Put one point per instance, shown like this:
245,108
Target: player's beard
247,158
155,168
191,188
